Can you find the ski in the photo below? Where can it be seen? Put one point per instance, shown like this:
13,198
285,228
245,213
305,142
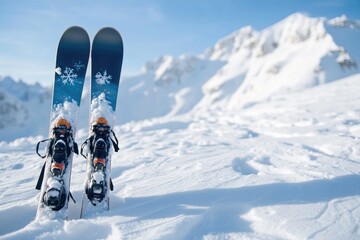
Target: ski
106,63
70,69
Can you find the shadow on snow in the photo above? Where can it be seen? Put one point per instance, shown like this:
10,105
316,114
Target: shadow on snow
212,210
219,209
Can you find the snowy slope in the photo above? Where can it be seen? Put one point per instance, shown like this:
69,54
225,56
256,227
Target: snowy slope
286,168
296,53
246,67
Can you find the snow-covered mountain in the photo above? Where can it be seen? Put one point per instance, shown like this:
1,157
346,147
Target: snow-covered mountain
246,67
24,109
243,68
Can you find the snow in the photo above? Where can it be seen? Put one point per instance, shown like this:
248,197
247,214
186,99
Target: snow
98,177
194,164
53,183
65,111
285,168
284,57
100,107
343,21
25,107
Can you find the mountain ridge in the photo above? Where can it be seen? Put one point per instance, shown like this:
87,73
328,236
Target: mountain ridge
241,69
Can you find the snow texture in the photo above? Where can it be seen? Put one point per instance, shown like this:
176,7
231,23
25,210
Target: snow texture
284,169
65,111
100,107
343,21
98,177
256,138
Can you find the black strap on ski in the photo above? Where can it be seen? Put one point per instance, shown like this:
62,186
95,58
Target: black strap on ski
111,185
83,147
76,148
38,145
41,177
71,196
115,143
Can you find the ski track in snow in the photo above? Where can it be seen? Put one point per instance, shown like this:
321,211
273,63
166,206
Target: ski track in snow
282,169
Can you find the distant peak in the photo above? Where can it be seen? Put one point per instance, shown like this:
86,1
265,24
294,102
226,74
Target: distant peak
298,15
20,89
343,21
230,44
242,31
153,65
342,18
7,80
298,20
297,27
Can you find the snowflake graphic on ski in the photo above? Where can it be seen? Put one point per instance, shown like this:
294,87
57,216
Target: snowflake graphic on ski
79,65
68,76
102,78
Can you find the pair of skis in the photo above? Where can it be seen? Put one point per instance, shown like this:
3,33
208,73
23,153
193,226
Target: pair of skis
71,64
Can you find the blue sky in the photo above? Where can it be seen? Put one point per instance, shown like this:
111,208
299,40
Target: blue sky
30,30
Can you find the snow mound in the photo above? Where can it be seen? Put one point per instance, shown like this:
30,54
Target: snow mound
100,107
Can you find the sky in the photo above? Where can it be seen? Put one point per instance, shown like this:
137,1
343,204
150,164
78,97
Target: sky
30,30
